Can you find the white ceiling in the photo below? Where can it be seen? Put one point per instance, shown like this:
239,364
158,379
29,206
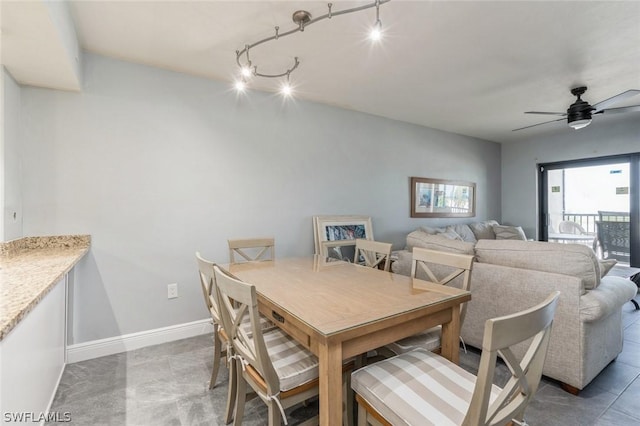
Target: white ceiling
465,67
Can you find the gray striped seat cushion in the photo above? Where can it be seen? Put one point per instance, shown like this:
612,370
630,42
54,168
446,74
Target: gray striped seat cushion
428,339
417,388
293,363
265,324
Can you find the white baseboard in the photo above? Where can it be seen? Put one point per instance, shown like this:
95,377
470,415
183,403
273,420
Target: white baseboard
128,342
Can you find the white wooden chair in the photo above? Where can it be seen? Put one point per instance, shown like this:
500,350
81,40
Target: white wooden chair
251,249
420,387
278,369
220,338
373,254
440,268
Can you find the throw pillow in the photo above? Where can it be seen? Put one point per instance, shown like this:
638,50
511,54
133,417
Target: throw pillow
431,231
450,234
465,232
483,230
504,232
606,265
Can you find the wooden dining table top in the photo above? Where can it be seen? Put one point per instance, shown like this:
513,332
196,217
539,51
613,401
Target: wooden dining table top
333,296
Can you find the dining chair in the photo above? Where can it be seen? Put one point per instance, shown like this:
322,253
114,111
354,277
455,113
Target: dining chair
373,254
221,344
440,268
251,249
280,371
421,388
220,337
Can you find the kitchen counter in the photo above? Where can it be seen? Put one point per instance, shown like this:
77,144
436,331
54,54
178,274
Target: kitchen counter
29,268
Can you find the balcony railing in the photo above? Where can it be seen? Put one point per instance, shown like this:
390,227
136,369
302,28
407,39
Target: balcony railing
586,220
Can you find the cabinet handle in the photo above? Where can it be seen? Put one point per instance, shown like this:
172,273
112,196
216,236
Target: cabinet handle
276,316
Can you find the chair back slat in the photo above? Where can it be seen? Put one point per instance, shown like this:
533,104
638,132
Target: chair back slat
614,239
372,254
251,249
455,264
207,283
570,227
500,335
238,299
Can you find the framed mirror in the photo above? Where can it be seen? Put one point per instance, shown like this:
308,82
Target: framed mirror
442,198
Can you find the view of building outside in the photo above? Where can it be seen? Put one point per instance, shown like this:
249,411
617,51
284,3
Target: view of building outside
589,189
578,194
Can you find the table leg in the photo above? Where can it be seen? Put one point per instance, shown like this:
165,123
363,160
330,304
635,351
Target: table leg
330,358
450,337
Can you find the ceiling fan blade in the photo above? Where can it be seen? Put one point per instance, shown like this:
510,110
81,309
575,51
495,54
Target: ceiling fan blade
615,99
633,108
539,124
564,114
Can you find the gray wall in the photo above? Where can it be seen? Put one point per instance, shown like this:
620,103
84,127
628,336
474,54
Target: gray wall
605,136
156,165
10,159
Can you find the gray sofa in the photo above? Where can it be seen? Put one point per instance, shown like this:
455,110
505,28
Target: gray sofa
510,275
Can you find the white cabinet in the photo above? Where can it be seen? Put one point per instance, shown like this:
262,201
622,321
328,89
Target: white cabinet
32,357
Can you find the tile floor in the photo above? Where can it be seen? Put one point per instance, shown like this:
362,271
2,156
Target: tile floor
167,385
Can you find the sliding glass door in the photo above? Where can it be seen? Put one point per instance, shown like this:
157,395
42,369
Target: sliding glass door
595,202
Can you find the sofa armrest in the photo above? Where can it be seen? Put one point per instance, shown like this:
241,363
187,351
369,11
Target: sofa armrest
607,298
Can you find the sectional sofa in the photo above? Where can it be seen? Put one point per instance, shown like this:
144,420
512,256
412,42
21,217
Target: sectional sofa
510,274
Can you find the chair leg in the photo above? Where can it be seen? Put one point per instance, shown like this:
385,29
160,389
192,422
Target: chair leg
348,395
241,396
231,392
362,416
275,418
217,351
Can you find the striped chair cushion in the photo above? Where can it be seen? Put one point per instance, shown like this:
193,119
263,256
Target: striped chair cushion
265,324
417,388
428,339
293,363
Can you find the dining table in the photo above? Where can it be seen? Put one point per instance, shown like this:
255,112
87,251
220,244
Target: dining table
339,310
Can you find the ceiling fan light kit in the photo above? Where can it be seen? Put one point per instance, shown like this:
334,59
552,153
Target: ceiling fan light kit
579,114
302,19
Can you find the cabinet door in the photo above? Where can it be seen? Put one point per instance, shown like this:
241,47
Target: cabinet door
32,356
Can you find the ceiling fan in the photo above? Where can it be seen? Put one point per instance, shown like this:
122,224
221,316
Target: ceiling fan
579,113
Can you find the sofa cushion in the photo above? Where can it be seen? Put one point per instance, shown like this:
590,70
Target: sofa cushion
568,259
483,230
606,299
419,238
505,232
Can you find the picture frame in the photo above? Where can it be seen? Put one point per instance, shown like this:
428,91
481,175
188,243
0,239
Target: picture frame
334,236
442,198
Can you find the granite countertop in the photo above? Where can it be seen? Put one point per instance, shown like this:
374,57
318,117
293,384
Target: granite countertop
29,268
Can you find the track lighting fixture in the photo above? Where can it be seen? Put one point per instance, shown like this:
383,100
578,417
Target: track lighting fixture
302,19
376,31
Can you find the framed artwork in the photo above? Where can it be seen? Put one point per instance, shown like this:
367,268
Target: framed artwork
442,198
334,236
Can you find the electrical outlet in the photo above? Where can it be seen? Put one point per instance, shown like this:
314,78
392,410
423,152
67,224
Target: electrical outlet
172,291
